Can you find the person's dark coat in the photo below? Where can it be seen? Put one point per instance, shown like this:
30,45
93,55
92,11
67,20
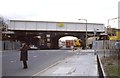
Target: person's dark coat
24,53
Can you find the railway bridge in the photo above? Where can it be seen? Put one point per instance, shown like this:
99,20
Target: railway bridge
45,34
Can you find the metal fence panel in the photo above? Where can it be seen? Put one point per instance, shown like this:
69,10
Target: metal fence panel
10,45
104,44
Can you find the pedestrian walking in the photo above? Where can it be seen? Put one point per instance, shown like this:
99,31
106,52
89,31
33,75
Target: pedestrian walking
24,55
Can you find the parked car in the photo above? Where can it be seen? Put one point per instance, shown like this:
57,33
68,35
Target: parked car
33,47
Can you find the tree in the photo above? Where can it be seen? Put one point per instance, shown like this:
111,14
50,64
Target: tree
3,24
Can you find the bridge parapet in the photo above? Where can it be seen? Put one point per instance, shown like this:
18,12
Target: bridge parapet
54,26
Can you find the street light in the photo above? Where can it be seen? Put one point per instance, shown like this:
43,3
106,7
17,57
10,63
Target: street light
95,38
86,31
109,22
112,19
108,31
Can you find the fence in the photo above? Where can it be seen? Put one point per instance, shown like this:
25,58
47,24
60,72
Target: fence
10,45
105,47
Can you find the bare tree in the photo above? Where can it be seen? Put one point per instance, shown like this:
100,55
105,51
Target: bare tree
3,24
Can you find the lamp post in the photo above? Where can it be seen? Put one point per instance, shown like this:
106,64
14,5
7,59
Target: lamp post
112,19
86,32
109,22
95,39
109,30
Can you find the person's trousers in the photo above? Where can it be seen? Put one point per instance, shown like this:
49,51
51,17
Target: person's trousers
25,64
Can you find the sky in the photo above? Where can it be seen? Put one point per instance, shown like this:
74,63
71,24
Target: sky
95,11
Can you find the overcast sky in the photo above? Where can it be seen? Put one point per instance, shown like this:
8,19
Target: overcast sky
95,11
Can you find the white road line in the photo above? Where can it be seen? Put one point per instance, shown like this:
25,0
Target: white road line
47,68
51,66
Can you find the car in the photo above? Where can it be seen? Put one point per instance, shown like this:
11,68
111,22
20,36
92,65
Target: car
33,47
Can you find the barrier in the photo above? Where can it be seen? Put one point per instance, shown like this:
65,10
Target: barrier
10,45
101,71
104,45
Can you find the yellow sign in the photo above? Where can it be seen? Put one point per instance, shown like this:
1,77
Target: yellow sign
60,24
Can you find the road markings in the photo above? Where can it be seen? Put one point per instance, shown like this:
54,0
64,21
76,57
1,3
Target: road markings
47,68
50,66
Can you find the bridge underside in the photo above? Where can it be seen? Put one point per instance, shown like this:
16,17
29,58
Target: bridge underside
46,39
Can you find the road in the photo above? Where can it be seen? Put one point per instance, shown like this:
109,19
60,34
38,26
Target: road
38,60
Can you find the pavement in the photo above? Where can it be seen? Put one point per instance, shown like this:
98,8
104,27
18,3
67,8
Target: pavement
83,63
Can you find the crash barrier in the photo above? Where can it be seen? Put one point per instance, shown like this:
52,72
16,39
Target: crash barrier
10,45
101,71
